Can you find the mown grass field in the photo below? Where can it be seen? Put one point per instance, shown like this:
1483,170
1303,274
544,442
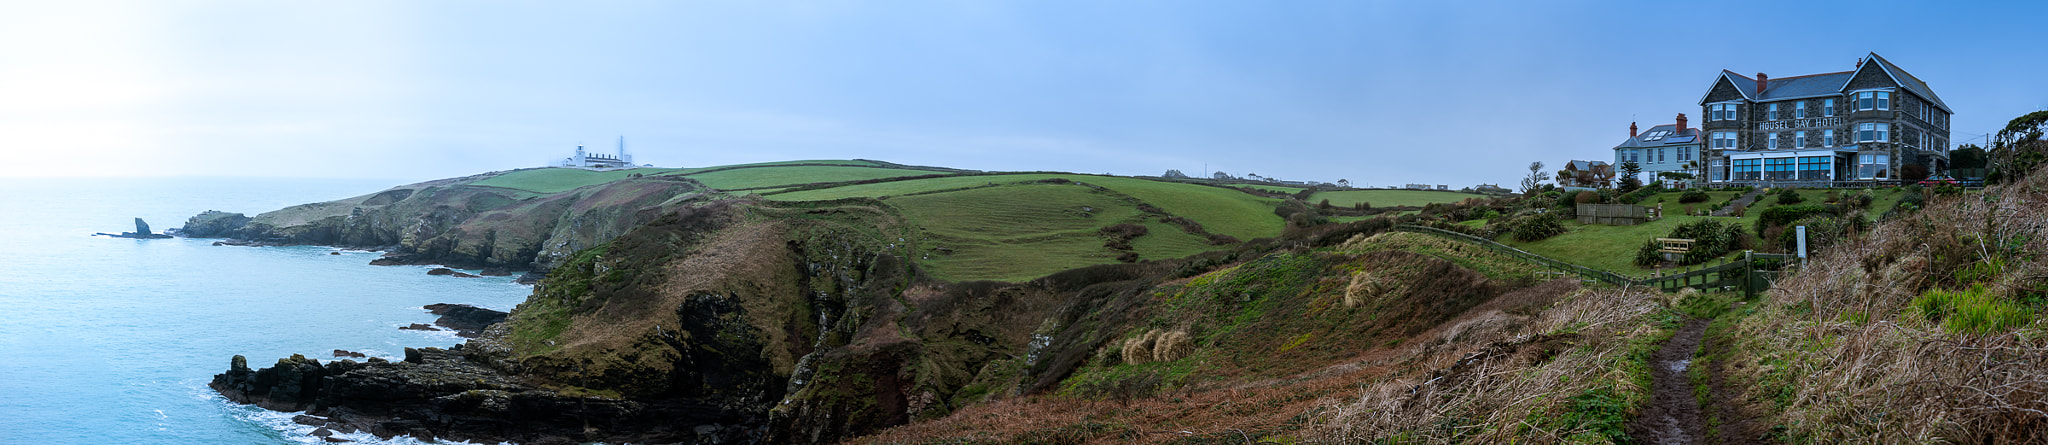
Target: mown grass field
1613,248
1388,198
557,180
771,176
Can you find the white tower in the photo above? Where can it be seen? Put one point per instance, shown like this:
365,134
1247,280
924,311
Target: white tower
623,157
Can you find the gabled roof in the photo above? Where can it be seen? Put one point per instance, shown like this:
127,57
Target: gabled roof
1584,165
1677,137
1907,80
1822,84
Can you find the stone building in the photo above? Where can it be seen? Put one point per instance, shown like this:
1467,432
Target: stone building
1664,148
1866,124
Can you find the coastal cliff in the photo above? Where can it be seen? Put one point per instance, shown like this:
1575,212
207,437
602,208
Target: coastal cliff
729,322
461,222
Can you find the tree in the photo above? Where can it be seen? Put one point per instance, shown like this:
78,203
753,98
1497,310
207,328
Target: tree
1221,176
2020,148
1174,174
1535,179
1567,176
1345,183
1630,179
1967,156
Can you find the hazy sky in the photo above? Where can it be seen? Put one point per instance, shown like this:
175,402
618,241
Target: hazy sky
1451,92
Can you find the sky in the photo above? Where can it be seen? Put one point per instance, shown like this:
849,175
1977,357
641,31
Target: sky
1376,92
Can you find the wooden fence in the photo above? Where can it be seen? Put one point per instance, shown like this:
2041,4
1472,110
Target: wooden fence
1613,214
1729,275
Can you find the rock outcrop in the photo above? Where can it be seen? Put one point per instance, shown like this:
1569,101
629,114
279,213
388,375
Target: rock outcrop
141,232
467,321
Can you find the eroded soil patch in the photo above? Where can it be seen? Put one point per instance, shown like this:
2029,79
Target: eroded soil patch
1673,416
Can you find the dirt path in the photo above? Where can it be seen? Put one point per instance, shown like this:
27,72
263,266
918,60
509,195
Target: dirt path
1673,416
1740,201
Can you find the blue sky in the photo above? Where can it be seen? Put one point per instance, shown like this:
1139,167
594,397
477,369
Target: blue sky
1450,92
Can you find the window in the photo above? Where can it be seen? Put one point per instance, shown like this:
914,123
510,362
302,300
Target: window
1660,155
1799,110
1873,166
1780,169
1827,108
1721,112
1684,154
1827,138
1771,142
1814,168
1748,169
1723,140
1717,170
1873,132
1799,139
1873,100
1773,113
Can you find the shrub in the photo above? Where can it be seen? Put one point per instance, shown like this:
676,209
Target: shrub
1711,239
1789,197
1586,197
1947,190
1781,215
1538,227
1648,255
1693,196
1860,200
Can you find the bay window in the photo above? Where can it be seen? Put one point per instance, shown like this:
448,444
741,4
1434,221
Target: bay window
1723,140
1873,166
1873,132
1873,100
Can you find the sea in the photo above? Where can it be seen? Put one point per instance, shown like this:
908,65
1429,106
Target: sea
112,341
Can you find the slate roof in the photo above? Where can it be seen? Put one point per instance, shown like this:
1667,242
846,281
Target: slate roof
1828,83
1909,82
1687,137
1585,165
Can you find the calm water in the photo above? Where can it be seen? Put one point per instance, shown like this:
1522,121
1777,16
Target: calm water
112,341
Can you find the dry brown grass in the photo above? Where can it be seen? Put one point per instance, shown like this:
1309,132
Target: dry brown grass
1306,407
1836,354
1524,374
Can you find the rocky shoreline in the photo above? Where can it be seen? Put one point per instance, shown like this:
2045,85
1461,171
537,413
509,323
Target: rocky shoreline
470,392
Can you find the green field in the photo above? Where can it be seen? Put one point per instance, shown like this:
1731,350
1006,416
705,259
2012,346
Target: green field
1389,198
770,176
1021,231
685,171
1219,210
557,180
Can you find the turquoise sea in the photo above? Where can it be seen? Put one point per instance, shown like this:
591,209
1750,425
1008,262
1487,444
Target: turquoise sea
112,341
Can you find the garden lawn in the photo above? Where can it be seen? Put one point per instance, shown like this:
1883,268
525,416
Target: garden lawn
1613,248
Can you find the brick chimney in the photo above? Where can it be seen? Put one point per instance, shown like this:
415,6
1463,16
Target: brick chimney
1761,80
1681,123
1631,129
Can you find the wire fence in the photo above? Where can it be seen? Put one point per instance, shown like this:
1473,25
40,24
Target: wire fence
1740,275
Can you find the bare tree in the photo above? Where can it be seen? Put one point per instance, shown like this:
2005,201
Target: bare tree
1535,179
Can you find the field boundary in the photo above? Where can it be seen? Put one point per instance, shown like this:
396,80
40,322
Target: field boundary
1740,274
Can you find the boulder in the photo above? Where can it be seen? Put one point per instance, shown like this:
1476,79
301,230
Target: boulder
141,232
420,327
348,353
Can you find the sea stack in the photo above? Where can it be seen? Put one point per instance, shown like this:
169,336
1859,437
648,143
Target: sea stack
141,232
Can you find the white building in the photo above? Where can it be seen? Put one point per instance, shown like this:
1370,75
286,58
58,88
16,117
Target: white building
584,159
